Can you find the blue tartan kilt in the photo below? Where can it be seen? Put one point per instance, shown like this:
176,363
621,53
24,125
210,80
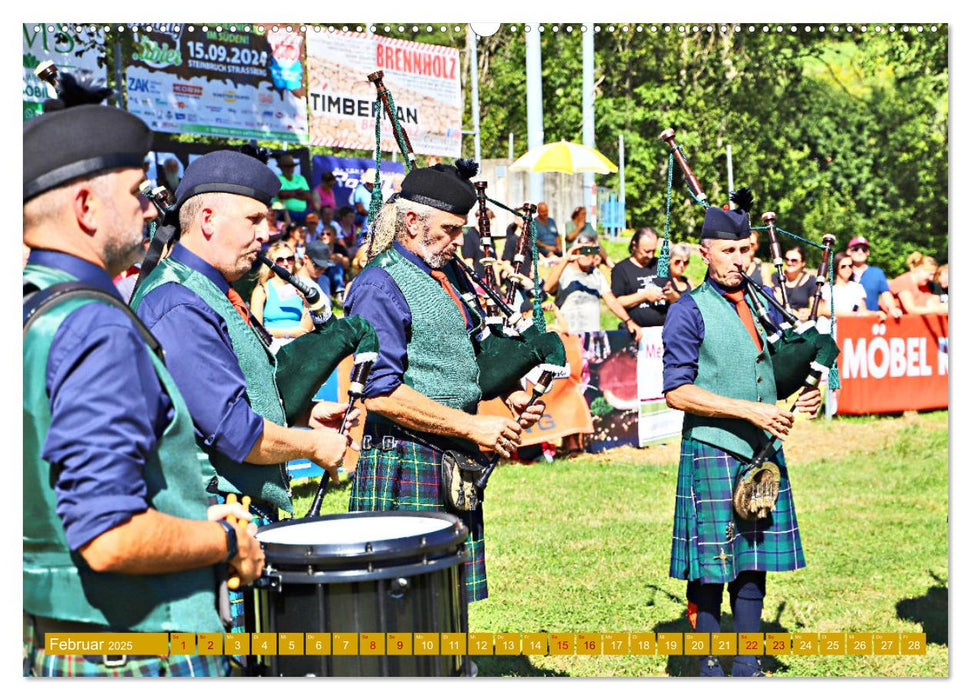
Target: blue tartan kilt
703,546
400,474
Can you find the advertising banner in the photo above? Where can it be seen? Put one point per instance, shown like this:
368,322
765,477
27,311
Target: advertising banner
72,51
424,81
892,366
348,172
181,79
657,423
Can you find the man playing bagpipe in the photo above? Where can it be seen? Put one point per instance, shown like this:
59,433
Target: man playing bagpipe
717,369
425,387
117,532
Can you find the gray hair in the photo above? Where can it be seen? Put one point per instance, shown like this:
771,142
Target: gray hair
390,224
680,250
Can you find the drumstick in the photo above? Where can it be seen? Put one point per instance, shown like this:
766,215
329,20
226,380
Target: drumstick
233,582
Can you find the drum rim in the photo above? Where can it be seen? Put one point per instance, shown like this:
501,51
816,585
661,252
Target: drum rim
430,544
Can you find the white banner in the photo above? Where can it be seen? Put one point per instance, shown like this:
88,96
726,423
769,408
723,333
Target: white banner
424,81
657,423
46,42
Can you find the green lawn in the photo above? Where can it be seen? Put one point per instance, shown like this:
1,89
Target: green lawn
582,545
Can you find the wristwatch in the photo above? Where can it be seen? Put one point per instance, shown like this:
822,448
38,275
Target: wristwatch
232,546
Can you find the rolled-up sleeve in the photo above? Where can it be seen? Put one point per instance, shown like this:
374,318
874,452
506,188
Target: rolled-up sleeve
107,407
375,297
201,359
684,329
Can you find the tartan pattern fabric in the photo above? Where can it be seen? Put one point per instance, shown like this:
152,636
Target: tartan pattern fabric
703,513
406,476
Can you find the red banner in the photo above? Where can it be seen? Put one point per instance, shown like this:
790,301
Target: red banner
892,366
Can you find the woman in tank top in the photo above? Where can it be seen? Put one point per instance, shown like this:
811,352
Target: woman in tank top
276,303
800,285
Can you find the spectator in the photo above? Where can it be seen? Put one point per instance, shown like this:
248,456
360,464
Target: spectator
678,258
754,268
849,297
275,222
513,231
547,237
277,304
634,281
874,281
582,286
578,219
327,219
319,268
345,228
171,174
323,194
471,250
911,288
361,201
338,253
313,226
294,191
799,284
938,285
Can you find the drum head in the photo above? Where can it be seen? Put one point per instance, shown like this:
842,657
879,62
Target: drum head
338,540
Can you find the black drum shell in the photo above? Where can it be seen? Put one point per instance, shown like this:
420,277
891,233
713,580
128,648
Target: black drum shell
408,584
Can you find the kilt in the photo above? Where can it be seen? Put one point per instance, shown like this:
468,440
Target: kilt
703,546
395,473
38,663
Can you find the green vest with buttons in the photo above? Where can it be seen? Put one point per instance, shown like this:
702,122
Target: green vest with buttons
729,365
441,359
267,483
57,582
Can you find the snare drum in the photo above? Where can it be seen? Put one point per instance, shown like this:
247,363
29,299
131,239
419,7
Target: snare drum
379,572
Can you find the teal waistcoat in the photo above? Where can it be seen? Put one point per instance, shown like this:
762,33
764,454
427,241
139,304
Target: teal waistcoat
729,365
58,582
264,482
441,359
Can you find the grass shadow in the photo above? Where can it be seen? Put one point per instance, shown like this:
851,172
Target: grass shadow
517,666
688,666
929,610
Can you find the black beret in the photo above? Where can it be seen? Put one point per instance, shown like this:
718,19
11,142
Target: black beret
725,225
441,186
78,142
228,171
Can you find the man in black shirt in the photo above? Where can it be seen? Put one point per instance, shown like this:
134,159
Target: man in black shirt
635,283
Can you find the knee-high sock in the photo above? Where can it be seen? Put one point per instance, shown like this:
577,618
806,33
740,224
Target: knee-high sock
746,595
706,598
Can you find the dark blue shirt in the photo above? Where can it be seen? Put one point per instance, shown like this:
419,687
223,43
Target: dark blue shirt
201,359
108,410
684,329
375,296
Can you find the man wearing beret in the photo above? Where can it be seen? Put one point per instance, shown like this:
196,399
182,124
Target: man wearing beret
217,355
423,390
718,371
117,532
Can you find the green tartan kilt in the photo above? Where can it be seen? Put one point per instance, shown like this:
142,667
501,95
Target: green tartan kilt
703,546
400,474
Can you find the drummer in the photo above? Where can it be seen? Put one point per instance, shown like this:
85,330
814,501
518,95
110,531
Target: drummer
710,337
116,531
423,392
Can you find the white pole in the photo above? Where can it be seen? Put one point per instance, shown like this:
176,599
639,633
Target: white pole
512,152
731,174
471,41
589,139
534,105
623,192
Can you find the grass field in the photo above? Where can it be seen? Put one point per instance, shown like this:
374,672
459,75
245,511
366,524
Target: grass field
582,545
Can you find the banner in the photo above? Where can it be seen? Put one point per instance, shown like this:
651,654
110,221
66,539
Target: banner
891,366
229,84
424,81
656,423
348,172
45,42
610,388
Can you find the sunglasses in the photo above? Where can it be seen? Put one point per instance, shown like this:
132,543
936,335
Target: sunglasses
291,259
845,267
859,248
679,262
793,260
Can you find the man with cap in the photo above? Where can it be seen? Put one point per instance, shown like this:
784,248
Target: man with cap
320,268
423,390
217,353
874,280
117,532
718,371
294,191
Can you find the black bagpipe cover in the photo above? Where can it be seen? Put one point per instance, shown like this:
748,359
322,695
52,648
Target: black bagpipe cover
503,361
794,354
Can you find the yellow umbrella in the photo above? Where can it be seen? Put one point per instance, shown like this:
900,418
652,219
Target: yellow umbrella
564,157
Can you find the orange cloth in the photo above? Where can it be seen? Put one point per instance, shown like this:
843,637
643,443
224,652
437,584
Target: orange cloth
440,277
239,305
745,313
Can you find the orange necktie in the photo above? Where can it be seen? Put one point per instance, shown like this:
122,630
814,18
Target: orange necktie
440,277
745,313
237,301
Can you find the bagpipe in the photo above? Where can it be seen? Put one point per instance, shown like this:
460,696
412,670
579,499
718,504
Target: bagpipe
513,345
800,352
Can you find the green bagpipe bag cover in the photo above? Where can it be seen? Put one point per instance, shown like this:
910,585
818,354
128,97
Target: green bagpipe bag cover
794,355
306,362
503,361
